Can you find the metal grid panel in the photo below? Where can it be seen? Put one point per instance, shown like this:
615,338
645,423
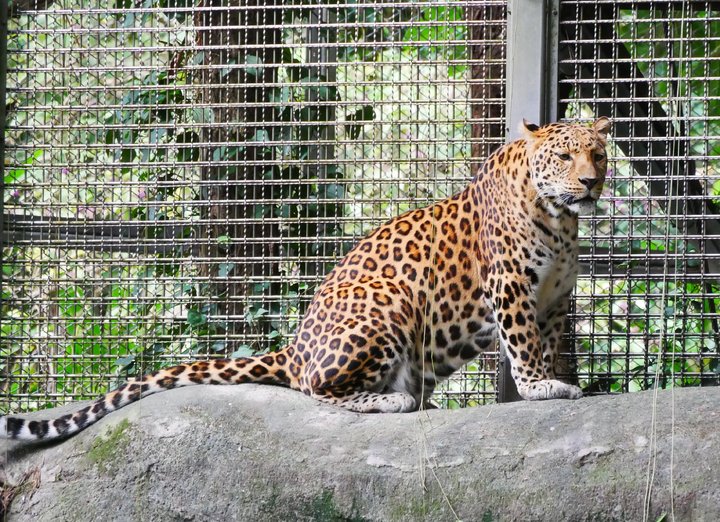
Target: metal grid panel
646,309
180,175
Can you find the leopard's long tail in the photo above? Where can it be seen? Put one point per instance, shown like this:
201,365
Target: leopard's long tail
271,368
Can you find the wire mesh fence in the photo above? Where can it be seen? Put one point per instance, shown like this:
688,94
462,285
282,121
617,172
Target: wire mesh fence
180,175
646,309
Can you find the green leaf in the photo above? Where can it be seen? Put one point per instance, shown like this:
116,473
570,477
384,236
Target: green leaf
255,61
281,95
362,115
243,351
332,191
195,318
125,362
157,135
202,115
226,70
261,136
457,70
218,346
19,173
219,154
71,301
198,59
324,92
251,316
224,269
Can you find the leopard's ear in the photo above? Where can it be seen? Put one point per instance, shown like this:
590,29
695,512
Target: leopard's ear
602,126
529,132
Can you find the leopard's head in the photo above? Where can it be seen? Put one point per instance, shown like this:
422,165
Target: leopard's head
568,163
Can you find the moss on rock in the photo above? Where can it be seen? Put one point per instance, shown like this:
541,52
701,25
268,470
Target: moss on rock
105,450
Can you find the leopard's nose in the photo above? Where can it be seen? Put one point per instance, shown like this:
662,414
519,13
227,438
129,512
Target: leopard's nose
589,182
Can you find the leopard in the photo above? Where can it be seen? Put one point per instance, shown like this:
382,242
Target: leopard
425,293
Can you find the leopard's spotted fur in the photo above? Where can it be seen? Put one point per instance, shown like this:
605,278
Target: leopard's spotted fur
427,292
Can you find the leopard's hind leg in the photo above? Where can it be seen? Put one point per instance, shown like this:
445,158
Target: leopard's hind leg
361,359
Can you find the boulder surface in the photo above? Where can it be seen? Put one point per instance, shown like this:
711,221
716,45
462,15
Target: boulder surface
262,453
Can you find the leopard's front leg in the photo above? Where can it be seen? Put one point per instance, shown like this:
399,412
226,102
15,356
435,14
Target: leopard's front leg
516,315
552,329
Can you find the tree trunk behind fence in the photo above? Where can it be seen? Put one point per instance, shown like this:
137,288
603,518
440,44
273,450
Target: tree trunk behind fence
236,92
487,92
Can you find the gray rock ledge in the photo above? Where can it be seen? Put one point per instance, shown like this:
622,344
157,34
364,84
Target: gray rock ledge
261,453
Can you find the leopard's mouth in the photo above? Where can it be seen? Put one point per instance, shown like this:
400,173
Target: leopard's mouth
569,200
587,199
578,205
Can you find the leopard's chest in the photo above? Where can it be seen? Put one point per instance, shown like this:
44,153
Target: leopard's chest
556,277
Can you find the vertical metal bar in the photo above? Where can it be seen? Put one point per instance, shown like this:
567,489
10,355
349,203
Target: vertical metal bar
321,57
320,53
532,63
552,59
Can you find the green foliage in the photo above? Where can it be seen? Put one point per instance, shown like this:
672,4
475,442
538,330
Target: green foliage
437,33
682,50
632,332
653,340
635,332
441,33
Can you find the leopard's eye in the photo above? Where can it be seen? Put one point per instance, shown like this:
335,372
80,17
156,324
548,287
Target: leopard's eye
564,156
599,157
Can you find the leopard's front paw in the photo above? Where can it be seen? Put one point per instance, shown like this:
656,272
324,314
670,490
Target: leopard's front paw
549,389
